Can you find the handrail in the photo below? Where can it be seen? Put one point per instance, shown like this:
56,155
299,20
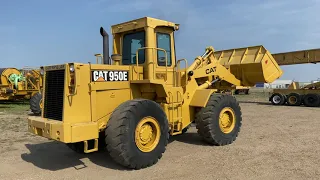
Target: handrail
171,104
185,73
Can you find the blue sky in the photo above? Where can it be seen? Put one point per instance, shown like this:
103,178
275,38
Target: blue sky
38,32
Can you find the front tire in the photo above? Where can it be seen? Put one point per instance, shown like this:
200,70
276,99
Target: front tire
219,122
36,104
137,133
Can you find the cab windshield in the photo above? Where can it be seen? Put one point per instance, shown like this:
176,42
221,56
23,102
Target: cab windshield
131,43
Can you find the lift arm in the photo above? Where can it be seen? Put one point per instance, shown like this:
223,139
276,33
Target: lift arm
212,67
240,67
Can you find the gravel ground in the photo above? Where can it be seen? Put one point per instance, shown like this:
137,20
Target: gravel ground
274,143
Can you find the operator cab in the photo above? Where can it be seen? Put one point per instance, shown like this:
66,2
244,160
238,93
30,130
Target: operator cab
146,33
133,41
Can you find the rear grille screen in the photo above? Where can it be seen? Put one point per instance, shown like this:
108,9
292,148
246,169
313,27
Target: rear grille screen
54,90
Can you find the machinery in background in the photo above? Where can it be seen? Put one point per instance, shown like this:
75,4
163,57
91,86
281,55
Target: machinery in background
242,89
22,84
295,95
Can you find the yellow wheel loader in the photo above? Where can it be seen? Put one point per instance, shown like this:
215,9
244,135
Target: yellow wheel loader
132,104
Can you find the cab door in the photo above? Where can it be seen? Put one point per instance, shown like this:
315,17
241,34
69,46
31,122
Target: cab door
164,40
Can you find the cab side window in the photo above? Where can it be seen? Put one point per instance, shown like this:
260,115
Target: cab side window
163,42
131,43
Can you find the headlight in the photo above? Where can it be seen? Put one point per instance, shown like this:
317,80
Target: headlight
71,68
41,70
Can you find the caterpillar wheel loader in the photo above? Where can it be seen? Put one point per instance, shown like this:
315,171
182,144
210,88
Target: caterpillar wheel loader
131,105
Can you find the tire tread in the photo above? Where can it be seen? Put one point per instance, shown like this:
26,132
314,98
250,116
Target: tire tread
115,134
205,115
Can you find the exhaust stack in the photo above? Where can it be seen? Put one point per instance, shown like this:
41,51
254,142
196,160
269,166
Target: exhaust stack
105,36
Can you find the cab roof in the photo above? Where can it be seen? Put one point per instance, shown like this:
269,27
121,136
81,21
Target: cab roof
141,23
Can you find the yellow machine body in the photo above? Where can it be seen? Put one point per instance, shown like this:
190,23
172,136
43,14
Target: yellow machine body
80,99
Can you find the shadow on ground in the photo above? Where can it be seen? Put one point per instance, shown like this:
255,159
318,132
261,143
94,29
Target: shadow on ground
35,115
13,104
270,104
55,156
189,138
5,107
16,102
256,102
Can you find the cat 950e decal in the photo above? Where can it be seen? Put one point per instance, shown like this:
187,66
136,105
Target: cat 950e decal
110,75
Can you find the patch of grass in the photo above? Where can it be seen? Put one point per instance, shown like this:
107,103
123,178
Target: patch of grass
254,96
16,107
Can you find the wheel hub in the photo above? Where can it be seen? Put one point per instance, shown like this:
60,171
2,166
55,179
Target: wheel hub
293,99
227,120
276,99
147,134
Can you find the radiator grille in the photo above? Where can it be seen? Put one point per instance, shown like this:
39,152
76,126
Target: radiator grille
54,90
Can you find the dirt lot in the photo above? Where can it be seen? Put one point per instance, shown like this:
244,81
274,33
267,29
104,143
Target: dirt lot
274,143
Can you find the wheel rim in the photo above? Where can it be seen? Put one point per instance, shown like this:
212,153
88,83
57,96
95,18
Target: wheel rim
292,100
276,99
147,134
227,120
40,103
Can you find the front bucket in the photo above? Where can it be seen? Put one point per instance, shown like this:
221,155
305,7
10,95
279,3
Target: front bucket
251,65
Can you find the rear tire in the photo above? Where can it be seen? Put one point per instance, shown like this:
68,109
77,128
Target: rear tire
125,145
277,99
294,99
311,100
35,104
210,126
